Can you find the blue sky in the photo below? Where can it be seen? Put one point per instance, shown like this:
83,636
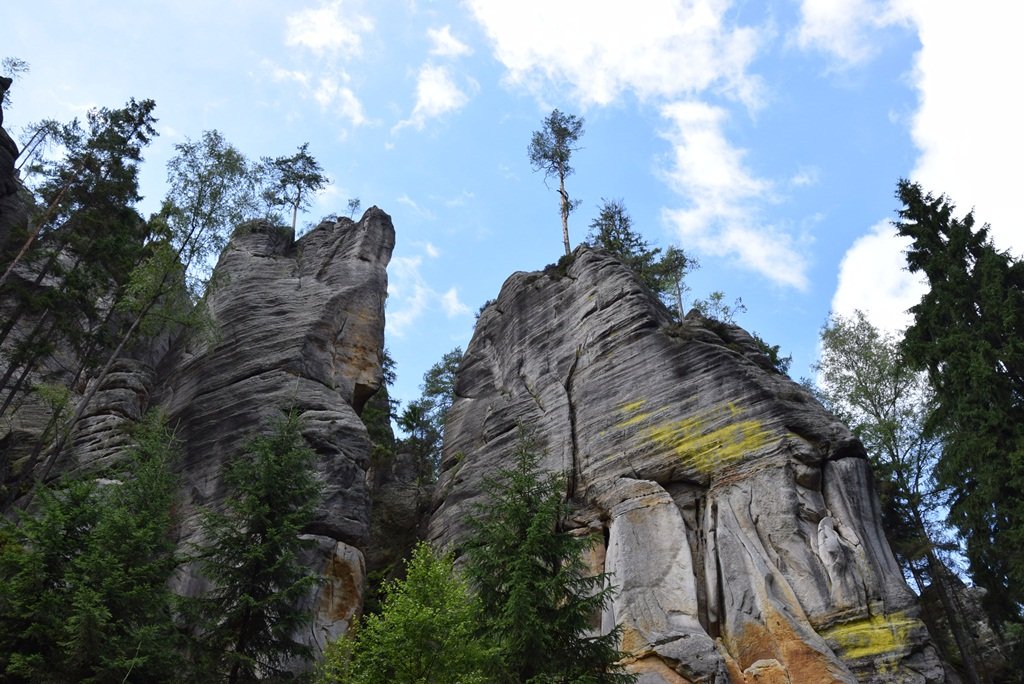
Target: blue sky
765,138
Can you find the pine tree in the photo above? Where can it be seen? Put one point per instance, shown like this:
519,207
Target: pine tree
539,601
249,618
423,419
550,150
968,334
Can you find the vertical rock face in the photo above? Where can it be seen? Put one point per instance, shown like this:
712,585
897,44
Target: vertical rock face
740,523
298,326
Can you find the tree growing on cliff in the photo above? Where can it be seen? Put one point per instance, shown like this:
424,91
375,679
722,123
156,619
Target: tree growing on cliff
291,181
86,235
539,599
664,274
83,580
968,335
612,231
427,631
247,621
210,191
550,150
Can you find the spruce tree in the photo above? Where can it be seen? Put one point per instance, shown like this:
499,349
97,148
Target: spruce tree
613,232
968,334
247,622
539,601
83,581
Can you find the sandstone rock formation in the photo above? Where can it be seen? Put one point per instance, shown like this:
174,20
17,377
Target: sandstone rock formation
299,326
736,515
12,211
296,325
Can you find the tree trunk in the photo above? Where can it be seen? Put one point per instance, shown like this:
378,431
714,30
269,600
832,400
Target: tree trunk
565,212
964,643
940,576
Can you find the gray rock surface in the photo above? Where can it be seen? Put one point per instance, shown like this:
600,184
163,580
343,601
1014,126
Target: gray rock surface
300,326
742,529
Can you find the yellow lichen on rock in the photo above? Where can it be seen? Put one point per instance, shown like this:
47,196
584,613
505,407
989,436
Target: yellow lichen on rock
691,439
709,450
632,406
872,636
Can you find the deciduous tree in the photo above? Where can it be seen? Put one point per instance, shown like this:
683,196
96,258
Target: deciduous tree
863,377
291,181
426,633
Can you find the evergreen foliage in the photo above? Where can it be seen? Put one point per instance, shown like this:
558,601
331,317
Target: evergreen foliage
426,632
550,150
613,232
423,419
968,334
539,601
663,274
378,413
83,582
248,620
83,233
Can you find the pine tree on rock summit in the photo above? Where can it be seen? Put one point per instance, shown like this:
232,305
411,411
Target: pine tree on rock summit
550,151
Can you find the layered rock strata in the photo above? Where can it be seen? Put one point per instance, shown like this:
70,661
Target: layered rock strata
736,516
298,326
293,326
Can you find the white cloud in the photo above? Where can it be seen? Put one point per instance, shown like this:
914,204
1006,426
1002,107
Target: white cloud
432,251
874,279
805,177
329,91
724,198
445,44
453,307
967,127
967,131
410,297
412,204
843,28
328,29
280,74
436,94
459,200
601,50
